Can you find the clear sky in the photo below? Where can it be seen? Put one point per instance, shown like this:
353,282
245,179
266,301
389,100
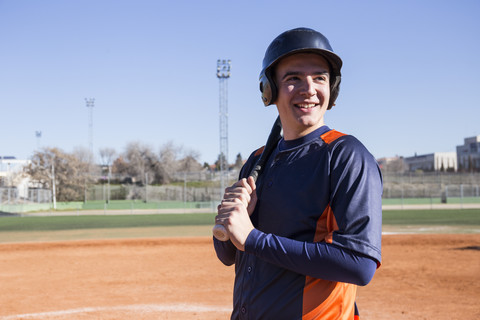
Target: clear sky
411,76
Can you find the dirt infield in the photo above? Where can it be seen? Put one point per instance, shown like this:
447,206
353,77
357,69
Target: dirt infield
422,277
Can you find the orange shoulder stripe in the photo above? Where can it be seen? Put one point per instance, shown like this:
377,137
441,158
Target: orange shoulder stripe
331,136
259,151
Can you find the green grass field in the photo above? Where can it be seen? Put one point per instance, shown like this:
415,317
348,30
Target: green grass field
102,205
82,227
51,223
470,217
154,205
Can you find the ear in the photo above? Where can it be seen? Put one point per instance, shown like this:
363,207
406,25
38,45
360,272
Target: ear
334,91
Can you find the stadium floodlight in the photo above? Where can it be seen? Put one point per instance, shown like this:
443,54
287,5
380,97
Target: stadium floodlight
223,73
90,102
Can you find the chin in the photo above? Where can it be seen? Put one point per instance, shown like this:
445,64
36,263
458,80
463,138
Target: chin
310,121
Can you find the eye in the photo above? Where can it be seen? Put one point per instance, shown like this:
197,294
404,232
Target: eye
321,78
292,78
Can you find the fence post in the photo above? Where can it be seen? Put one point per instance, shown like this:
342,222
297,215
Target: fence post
402,196
185,190
461,196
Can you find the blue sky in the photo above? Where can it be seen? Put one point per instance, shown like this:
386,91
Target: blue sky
410,78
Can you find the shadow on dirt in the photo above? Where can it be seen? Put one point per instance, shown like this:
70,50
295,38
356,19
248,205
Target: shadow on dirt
470,248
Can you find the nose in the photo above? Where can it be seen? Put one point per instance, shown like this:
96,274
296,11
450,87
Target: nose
308,87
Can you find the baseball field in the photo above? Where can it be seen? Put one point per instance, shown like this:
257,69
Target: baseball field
163,266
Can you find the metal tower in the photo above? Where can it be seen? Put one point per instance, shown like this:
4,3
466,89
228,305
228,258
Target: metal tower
90,104
223,73
38,134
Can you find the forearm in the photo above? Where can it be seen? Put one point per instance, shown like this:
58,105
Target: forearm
319,260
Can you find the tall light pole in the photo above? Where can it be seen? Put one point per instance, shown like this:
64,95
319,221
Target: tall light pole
90,102
38,134
223,73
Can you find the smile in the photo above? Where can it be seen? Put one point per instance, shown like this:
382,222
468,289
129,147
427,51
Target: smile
306,105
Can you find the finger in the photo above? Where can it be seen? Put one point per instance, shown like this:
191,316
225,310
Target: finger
245,184
251,183
240,194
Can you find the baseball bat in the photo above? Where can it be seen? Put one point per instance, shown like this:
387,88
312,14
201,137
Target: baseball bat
219,230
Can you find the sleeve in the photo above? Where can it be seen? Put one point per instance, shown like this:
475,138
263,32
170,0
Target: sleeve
319,260
356,198
225,251
354,252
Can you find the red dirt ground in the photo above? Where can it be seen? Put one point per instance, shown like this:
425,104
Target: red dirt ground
422,277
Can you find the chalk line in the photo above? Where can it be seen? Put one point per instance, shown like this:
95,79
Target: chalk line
143,308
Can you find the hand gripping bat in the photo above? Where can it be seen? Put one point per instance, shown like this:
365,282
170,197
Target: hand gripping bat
219,230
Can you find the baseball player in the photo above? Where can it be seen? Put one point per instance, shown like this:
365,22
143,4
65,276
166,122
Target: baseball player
308,231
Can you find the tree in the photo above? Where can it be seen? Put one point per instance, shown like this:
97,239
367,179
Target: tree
107,156
189,162
120,167
221,161
141,163
238,162
69,172
168,162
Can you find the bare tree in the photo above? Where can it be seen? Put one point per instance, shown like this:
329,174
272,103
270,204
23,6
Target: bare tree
141,162
107,155
69,173
189,162
168,162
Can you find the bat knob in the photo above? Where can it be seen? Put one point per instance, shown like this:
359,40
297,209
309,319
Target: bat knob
220,233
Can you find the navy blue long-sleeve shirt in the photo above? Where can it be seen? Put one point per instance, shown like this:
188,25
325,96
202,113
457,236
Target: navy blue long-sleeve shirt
318,230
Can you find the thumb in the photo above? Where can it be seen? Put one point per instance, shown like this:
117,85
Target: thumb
253,196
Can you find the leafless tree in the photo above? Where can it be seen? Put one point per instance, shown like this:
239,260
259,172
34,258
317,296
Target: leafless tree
189,162
141,162
168,162
107,155
70,173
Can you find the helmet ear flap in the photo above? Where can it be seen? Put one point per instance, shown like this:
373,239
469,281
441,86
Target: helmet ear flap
268,90
334,91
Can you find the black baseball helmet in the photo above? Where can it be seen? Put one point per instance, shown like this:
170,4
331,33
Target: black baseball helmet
296,41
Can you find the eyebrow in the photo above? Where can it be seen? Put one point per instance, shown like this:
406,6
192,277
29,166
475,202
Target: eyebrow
297,73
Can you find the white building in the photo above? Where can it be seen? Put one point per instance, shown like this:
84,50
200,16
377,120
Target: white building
11,175
10,166
468,154
438,161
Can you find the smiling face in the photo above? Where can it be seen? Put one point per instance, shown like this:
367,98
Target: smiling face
303,83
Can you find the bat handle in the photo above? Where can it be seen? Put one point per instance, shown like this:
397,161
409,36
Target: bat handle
220,232
255,171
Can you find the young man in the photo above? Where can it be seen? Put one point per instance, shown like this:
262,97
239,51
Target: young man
309,230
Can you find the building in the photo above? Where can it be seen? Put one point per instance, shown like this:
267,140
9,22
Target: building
9,166
11,176
438,161
468,155
392,164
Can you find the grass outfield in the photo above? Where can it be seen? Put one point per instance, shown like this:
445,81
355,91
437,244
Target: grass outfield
446,217
51,223
468,217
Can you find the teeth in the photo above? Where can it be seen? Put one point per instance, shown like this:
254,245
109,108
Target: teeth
306,106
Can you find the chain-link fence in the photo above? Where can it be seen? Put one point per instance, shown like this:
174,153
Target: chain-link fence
202,190
435,187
